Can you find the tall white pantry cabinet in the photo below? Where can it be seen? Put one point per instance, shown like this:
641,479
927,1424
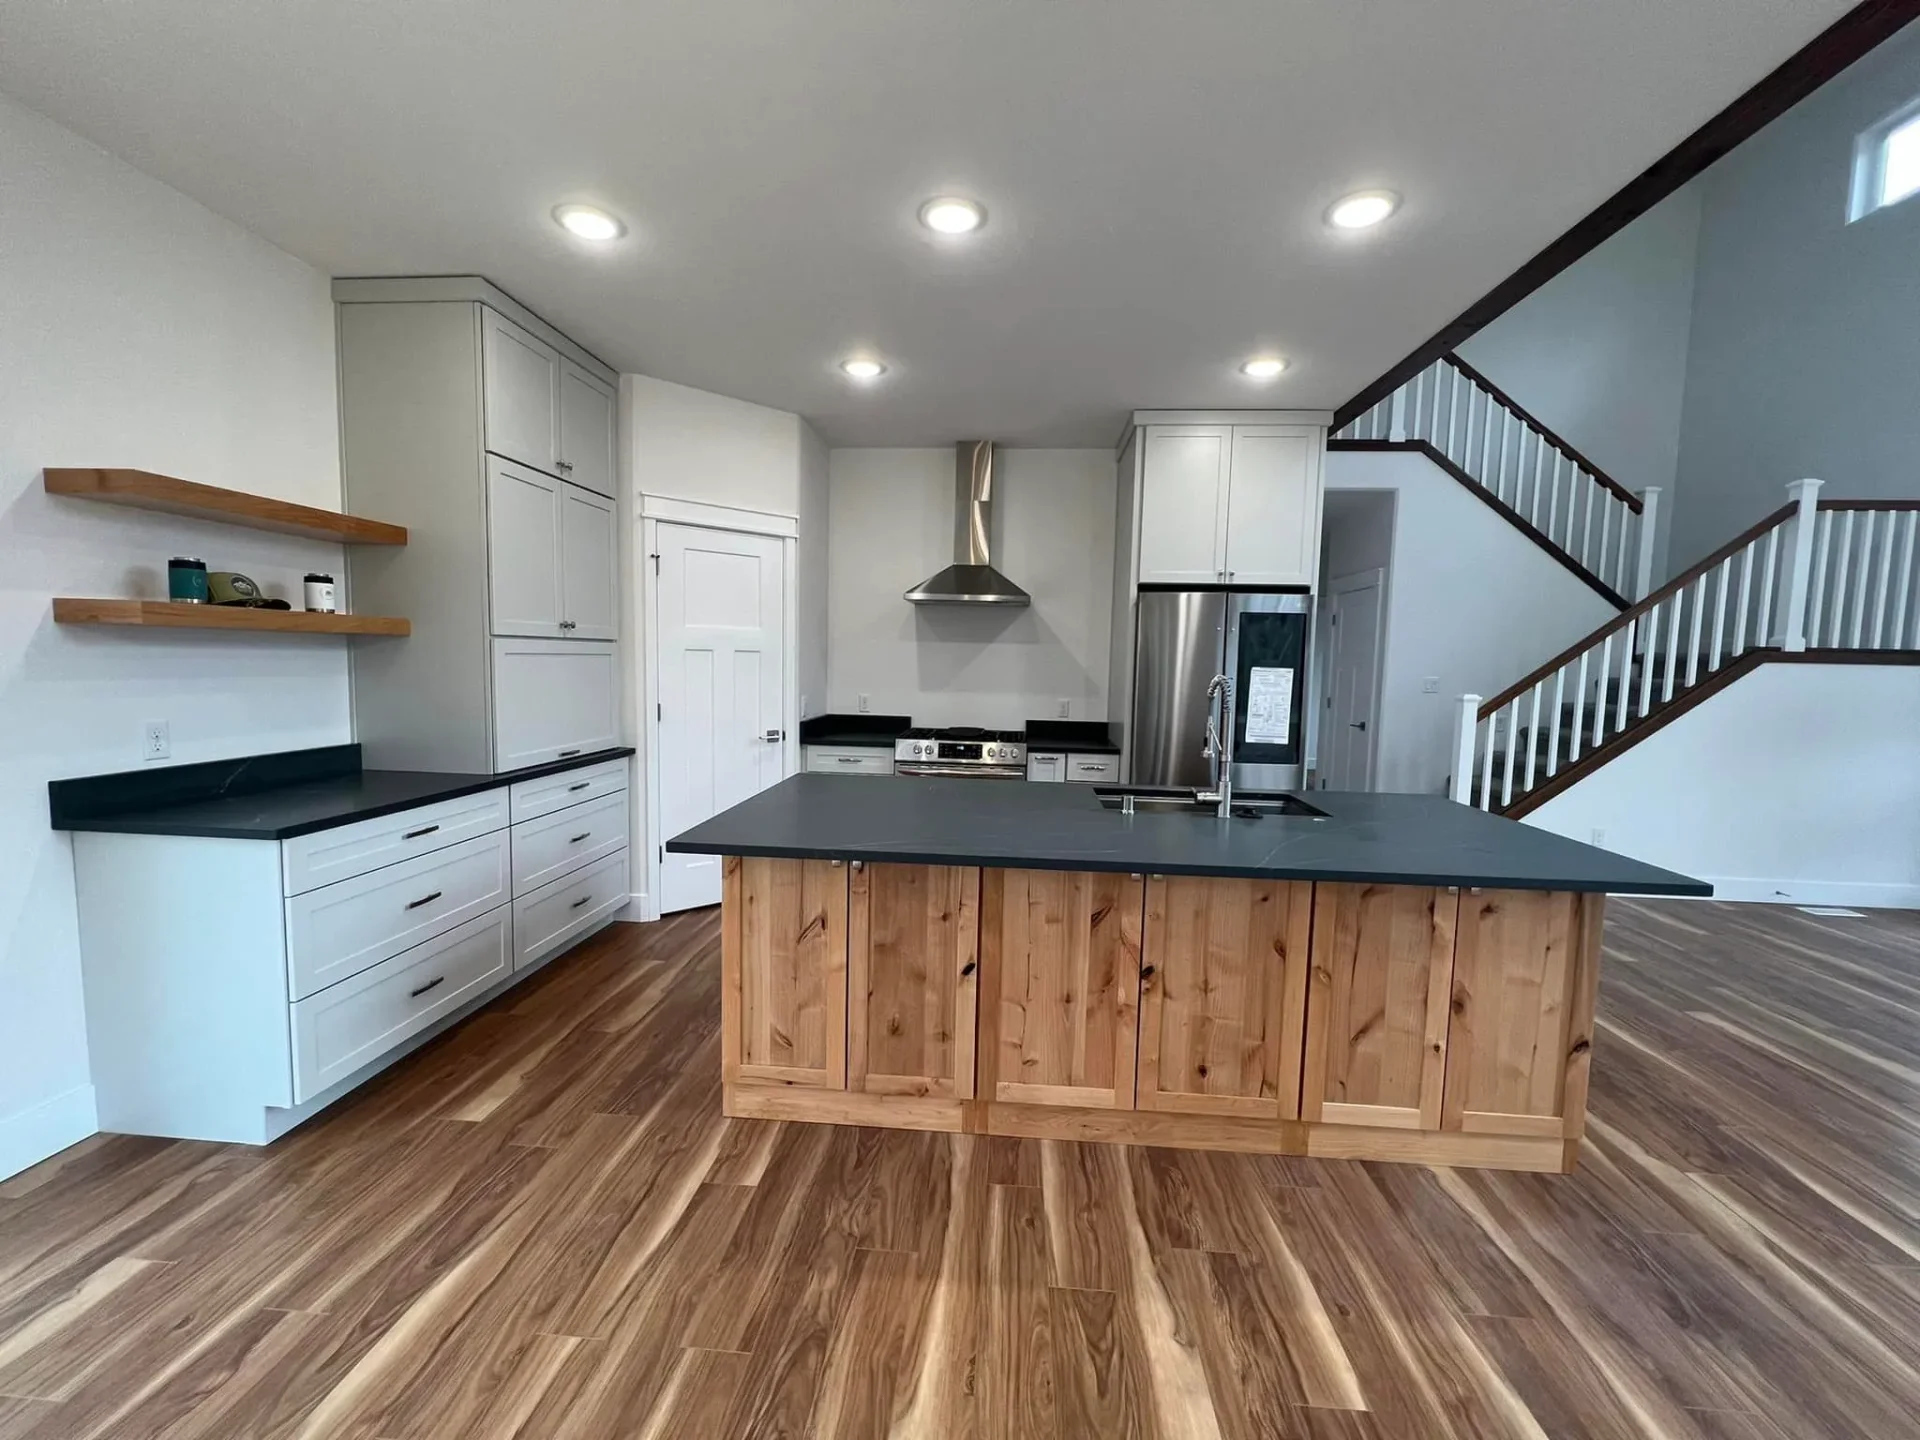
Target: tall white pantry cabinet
492,437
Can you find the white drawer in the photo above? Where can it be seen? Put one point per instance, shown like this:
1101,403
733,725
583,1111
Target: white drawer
339,930
1046,766
310,861
350,1024
849,760
560,843
550,918
531,799
1093,769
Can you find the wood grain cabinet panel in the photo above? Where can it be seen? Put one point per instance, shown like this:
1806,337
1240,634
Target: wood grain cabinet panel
1060,1004
913,979
1377,1005
783,987
1223,996
1525,969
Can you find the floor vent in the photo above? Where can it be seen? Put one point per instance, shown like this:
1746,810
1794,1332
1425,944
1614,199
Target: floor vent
1833,910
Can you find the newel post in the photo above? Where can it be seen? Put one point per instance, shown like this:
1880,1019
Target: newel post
1466,725
1643,565
1397,415
1805,495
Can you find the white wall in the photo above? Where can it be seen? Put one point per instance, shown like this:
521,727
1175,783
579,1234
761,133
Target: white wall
1796,783
812,555
1470,601
892,525
136,329
1599,353
694,445
1806,330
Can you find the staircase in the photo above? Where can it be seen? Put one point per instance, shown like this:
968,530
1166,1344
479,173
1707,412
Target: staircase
1816,580
1566,504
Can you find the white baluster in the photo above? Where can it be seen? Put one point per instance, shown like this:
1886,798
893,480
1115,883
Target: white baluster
1793,623
1397,414
1699,588
1559,718
1466,725
1840,577
1506,424
1854,636
1673,645
1741,641
1553,492
1620,571
1903,578
1649,638
1763,632
1883,590
1586,531
1606,517
1513,739
1626,678
1725,578
1453,404
1486,762
1643,563
1533,504
1817,592
1600,699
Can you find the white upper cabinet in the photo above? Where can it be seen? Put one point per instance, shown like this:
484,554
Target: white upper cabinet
1273,505
1230,504
1183,505
589,565
552,700
522,387
524,565
586,428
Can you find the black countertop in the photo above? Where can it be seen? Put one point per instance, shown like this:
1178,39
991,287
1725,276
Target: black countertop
1386,839
880,730
270,797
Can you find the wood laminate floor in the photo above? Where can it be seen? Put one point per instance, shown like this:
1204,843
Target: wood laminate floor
541,1226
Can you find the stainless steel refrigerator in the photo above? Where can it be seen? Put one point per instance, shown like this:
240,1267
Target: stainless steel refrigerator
1184,639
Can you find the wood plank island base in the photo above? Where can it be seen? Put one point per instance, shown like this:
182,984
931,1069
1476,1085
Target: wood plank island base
1374,977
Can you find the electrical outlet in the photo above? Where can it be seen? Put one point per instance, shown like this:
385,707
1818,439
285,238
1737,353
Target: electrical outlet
1430,685
866,703
1597,836
155,742
1066,708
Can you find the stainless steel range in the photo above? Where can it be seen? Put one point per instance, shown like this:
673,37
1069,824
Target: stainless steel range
962,750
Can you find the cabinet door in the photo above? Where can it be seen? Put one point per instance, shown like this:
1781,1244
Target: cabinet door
586,428
912,953
783,972
1273,505
1377,1005
1525,967
1223,996
522,388
1183,505
553,699
523,551
1061,956
589,565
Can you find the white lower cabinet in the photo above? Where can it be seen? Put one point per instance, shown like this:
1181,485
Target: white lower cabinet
549,918
1093,769
560,843
849,760
553,699
530,799
356,1021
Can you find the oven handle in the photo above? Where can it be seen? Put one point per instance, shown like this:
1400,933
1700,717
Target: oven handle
969,772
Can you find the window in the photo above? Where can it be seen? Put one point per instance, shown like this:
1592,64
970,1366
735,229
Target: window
1886,164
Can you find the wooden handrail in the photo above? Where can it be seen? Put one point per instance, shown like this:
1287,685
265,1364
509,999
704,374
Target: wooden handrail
1506,401
1870,504
1638,608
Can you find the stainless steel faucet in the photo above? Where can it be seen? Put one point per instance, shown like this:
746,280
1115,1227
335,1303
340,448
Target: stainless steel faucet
1219,747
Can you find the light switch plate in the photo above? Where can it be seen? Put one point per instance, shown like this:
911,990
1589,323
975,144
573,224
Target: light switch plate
1430,685
866,703
1066,708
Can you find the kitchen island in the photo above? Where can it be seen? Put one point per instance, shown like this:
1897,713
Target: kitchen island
1396,977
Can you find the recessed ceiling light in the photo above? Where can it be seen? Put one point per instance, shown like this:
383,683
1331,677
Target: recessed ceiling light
1263,367
863,369
1368,207
952,216
589,223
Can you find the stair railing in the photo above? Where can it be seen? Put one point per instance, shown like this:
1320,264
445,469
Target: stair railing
1813,575
1601,525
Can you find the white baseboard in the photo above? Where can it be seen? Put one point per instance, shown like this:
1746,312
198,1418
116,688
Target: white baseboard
640,908
1853,895
48,1128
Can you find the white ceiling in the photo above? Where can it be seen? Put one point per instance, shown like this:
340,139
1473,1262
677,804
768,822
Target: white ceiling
1155,172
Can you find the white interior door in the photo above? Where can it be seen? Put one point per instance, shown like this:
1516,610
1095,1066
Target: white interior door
721,618
1352,682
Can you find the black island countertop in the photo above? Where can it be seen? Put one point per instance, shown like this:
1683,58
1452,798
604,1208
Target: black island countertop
270,797
1385,839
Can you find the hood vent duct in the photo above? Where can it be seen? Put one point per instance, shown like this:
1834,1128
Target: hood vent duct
971,579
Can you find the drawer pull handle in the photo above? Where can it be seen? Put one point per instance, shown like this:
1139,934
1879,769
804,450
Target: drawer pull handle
425,900
968,969
584,834
846,759
423,830
418,991
579,785
569,754
1095,768
584,899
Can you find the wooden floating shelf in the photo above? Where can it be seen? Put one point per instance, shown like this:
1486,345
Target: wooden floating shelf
145,490
168,614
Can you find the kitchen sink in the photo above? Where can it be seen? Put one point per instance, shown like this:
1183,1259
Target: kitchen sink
1148,801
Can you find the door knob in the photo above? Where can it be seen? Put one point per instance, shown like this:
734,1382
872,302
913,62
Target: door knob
1356,724
774,737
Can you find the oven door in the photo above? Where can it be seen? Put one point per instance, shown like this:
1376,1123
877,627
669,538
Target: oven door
964,772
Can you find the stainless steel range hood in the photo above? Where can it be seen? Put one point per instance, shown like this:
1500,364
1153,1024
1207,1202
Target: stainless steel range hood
971,579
